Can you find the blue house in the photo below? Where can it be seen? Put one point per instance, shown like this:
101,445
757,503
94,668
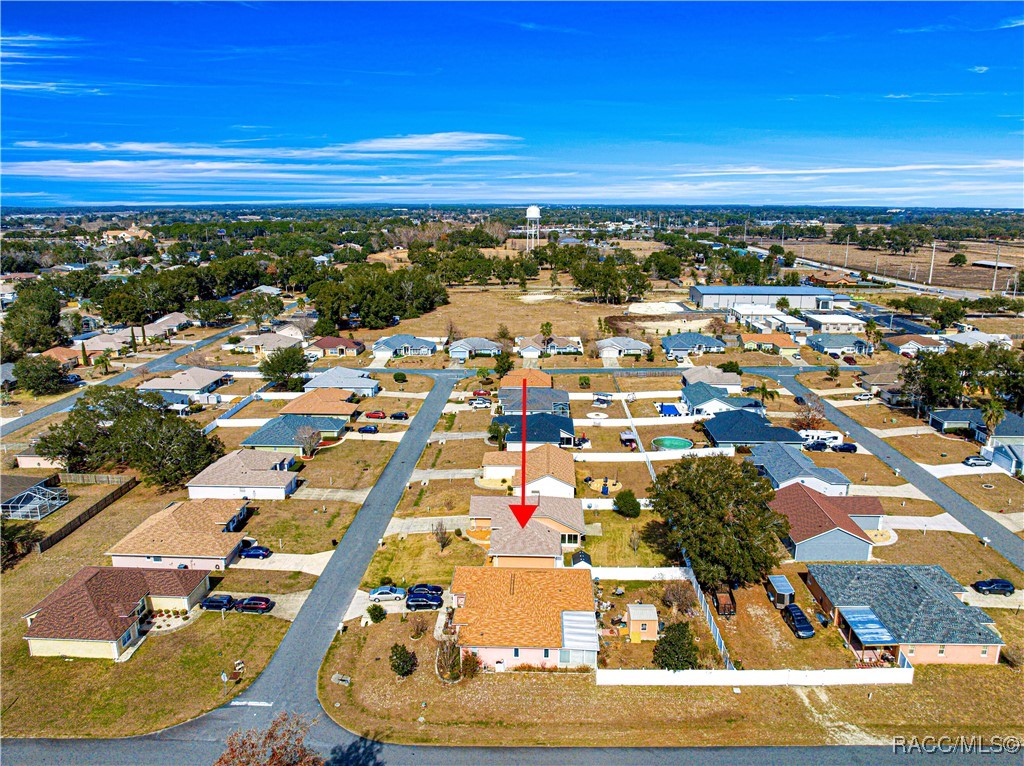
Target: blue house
551,401
823,528
783,464
702,399
283,433
541,429
686,343
740,428
358,382
404,345
839,344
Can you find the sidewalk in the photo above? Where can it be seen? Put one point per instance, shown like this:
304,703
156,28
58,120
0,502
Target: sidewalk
328,493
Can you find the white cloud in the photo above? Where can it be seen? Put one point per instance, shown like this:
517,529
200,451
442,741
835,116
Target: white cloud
978,69
988,165
898,95
433,142
1011,23
51,88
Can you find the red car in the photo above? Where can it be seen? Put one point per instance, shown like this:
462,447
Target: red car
481,392
377,415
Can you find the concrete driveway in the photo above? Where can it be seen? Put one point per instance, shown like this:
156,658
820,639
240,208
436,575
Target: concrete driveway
908,491
286,605
327,493
942,522
959,469
310,563
1016,601
361,602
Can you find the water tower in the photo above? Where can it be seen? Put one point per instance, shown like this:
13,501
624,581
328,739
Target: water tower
532,227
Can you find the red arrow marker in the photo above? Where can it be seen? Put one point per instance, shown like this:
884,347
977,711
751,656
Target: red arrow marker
521,510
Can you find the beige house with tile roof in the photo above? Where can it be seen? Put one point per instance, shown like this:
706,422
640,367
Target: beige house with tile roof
550,471
327,402
246,474
556,528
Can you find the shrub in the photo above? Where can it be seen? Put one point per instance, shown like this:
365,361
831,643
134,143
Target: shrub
403,662
400,377
376,613
458,532
584,381
676,649
385,580
470,665
730,366
627,505
234,339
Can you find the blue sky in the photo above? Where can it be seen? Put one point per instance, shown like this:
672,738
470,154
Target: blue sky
860,104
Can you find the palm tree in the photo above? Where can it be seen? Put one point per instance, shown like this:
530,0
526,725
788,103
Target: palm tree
992,412
766,393
498,432
103,360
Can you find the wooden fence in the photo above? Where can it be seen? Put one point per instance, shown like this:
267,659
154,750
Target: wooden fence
94,478
56,536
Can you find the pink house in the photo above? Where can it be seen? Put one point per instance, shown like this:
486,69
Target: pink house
511,618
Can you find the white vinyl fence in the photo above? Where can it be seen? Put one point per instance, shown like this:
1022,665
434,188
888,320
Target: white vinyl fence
830,677
642,574
655,455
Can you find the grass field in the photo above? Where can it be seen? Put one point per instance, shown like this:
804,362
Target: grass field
441,497
455,453
613,549
598,382
300,526
354,464
859,468
266,581
963,556
932,449
1007,494
673,383
819,381
418,558
880,416
899,506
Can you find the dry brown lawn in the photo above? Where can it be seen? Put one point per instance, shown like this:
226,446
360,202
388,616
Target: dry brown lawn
232,438
947,700
602,439
354,464
300,526
261,408
965,557
22,437
441,497
634,476
598,382
263,581
819,381
932,449
413,383
579,408
1007,494
468,421
24,403
899,506
672,382
743,358
457,453
418,558
859,468
612,548
81,495
881,417
241,386
684,430
1003,324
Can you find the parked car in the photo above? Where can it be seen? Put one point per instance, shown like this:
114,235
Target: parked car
255,552
816,446
797,621
977,461
259,604
417,601
995,587
797,357
435,590
834,355
480,404
399,415
482,392
368,429
218,601
387,593
377,415
907,354
865,397
849,360
799,401
845,447
311,357
749,389
73,379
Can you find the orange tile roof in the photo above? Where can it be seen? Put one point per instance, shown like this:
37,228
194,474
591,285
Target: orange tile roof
518,607
186,528
62,354
779,339
545,460
321,401
537,378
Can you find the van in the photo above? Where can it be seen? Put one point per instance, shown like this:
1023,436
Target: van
816,435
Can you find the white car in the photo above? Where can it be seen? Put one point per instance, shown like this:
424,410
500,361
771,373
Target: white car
865,397
480,404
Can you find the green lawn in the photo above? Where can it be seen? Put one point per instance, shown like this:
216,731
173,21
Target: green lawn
417,559
612,548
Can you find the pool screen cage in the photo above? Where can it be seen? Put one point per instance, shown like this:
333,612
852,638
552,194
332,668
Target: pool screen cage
35,503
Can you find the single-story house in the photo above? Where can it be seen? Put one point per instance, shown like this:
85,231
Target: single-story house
784,465
194,534
467,348
8,380
358,382
621,345
690,343
834,323
325,402
533,378
267,290
724,296
283,432
30,458
532,348
839,344
974,338
713,376
96,614
332,346
1009,457
766,318
704,400
542,428
772,342
553,401
246,474
550,471
30,498
642,622
823,528
291,330
533,617
741,428
913,344
191,381
266,343
899,609
945,421
556,527
404,345
67,358
828,278
1010,431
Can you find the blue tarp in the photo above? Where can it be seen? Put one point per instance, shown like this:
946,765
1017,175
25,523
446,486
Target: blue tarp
870,630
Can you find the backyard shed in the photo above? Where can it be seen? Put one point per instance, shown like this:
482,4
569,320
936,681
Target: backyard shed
642,622
780,591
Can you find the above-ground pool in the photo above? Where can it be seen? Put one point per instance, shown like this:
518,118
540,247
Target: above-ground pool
671,442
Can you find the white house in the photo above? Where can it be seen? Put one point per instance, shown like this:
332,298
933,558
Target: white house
246,474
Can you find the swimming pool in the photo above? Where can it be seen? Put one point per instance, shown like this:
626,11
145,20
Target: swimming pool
671,442
668,410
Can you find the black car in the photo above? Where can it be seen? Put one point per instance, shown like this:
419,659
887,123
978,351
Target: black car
818,446
434,590
797,621
749,389
260,604
995,587
73,379
218,601
845,447
416,601
399,415
799,401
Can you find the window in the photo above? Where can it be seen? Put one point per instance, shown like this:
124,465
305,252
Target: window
984,651
515,652
910,651
126,637
942,650
563,656
547,652
155,558
570,539
643,626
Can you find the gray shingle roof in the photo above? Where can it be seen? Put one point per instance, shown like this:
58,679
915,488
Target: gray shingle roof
541,427
625,343
783,463
742,427
340,377
282,430
475,345
916,603
542,399
396,342
686,340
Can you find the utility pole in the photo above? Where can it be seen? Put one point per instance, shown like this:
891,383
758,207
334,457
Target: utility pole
995,271
931,267
847,260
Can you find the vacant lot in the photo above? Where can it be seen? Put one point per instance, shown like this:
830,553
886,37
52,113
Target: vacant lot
261,408
412,384
241,386
232,438
23,403
743,358
880,416
455,453
598,382
418,558
673,383
355,463
859,468
965,557
613,548
898,506
441,497
1006,494
819,381
300,526
943,700
932,449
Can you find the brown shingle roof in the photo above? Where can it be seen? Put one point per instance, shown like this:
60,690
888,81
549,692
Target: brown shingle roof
97,603
186,528
899,340
62,354
518,607
321,401
779,339
537,378
333,342
545,460
811,513
564,510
